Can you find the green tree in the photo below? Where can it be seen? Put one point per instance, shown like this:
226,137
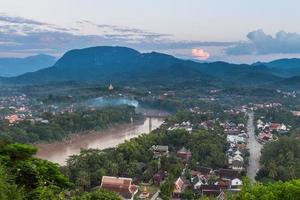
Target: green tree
166,189
8,189
100,194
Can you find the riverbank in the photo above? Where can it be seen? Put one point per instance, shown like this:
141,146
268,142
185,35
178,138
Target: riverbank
58,152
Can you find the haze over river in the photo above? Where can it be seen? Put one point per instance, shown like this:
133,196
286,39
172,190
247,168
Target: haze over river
58,152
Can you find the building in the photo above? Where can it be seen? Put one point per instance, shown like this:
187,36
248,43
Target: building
159,177
184,154
179,188
224,183
13,118
210,190
160,151
122,186
236,182
228,174
231,175
237,165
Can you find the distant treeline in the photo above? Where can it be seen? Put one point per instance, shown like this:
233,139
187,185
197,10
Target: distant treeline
61,125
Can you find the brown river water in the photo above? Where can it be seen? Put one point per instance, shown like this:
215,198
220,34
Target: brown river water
58,152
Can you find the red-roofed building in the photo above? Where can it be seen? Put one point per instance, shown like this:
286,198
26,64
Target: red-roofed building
13,118
264,136
184,154
179,188
159,177
122,186
275,126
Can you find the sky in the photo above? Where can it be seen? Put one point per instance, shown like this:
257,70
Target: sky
239,31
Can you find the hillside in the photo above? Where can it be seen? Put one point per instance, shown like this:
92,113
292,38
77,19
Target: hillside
102,64
283,67
124,65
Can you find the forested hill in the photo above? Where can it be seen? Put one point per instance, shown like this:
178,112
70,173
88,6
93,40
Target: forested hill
125,65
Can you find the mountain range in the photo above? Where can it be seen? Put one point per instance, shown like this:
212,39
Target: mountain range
125,65
16,66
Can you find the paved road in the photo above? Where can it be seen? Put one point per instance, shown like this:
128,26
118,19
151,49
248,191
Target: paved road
254,148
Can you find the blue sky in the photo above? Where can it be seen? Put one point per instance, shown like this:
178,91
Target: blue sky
230,30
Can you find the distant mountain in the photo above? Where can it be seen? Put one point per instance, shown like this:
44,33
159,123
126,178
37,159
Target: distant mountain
283,67
284,63
16,66
244,74
125,65
103,64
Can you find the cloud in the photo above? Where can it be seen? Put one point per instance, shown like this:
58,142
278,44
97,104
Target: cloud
200,54
260,43
19,20
25,35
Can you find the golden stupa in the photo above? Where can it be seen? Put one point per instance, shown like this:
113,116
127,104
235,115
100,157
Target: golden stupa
110,87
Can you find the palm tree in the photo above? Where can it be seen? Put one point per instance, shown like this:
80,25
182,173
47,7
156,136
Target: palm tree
272,170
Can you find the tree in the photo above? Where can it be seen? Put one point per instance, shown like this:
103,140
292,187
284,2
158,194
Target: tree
166,189
279,190
8,189
280,160
83,180
100,194
36,177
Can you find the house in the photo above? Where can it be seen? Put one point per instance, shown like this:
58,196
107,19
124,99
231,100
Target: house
237,152
122,186
159,177
159,150
184,154
275,126
235,139
238,157
210,190
265,136
12,118
228,174
198,181
237,165
236,182
195,173
296,113
231,175
224,183
180,187
205,170
241,146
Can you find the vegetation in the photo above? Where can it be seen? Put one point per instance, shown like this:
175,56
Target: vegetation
280,160
129,158
23,177
99,194
276,191
26,177
61,125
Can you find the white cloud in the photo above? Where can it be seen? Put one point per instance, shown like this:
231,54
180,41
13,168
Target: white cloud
200,54
260,43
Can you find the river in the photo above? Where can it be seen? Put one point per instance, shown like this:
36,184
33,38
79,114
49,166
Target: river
58,152
254,149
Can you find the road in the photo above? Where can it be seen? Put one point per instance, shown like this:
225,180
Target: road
254,148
